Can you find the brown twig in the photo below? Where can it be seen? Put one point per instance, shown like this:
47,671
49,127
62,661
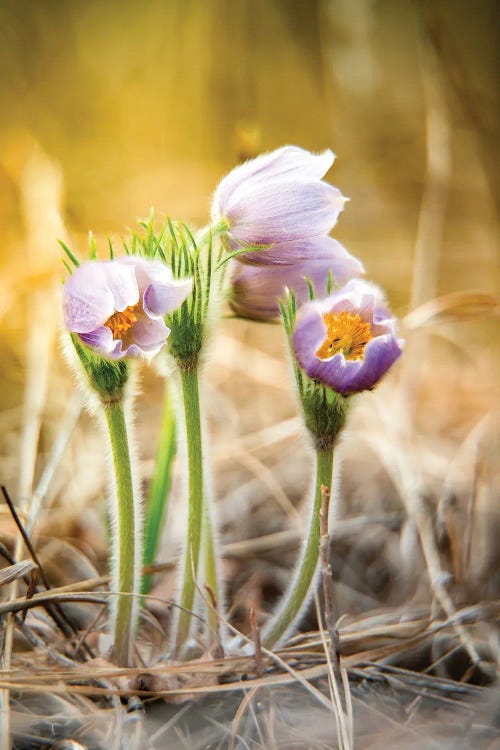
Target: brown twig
256,639
217,649
327,580
16,571
49,599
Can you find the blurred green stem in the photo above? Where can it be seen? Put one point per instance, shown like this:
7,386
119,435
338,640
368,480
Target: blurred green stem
297,594
160,486
126,553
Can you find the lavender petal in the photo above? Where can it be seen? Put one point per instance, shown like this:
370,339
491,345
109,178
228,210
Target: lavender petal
295,210
256,289
289,161
87,299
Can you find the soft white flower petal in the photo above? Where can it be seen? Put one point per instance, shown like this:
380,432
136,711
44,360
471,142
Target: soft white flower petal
287,161
88,300
294,210
123,284
160,299
150,333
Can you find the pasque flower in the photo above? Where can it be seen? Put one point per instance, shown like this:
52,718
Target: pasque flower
277,197
256,288
348,340
344,343
116,307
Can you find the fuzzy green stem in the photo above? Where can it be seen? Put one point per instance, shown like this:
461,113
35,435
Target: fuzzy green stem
126,553
192,416
297,593
160,485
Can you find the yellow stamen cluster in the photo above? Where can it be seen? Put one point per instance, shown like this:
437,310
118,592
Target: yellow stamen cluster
346,333
120,322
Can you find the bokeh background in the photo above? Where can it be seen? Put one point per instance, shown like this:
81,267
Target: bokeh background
109,108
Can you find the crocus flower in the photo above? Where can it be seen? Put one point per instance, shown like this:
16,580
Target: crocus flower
348,340
256,288
278,197
117,307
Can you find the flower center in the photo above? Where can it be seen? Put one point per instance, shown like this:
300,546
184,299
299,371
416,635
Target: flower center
120,322
346,333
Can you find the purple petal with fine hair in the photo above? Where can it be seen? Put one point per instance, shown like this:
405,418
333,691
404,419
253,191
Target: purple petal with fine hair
98,290
123,284
347,376
148,338
256,289
312,248
380,354
161,292
287,161
101,339
160,299
352,376
310,332
293,211
88,300
150,333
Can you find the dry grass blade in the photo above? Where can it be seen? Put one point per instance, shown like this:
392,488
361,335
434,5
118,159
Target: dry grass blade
333,663
238,716
60,617
60,444
40,345
331,614
16,571
456,306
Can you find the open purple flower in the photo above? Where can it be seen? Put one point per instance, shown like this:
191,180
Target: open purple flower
278,197
117,307
348,340
256,288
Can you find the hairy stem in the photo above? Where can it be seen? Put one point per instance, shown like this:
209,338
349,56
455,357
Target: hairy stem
297,594
200,529
126,539
192,416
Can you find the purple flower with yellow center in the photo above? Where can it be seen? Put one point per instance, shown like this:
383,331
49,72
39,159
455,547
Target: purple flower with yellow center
256,288
347,341
278,197
117,307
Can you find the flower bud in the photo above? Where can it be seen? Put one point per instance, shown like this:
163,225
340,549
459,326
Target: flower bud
278,197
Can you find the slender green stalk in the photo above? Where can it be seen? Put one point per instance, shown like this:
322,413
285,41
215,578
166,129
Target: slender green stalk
191,404
200,531
126,554
297,594
160,485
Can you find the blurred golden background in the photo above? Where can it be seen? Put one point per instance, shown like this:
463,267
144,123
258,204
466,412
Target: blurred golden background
109,108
